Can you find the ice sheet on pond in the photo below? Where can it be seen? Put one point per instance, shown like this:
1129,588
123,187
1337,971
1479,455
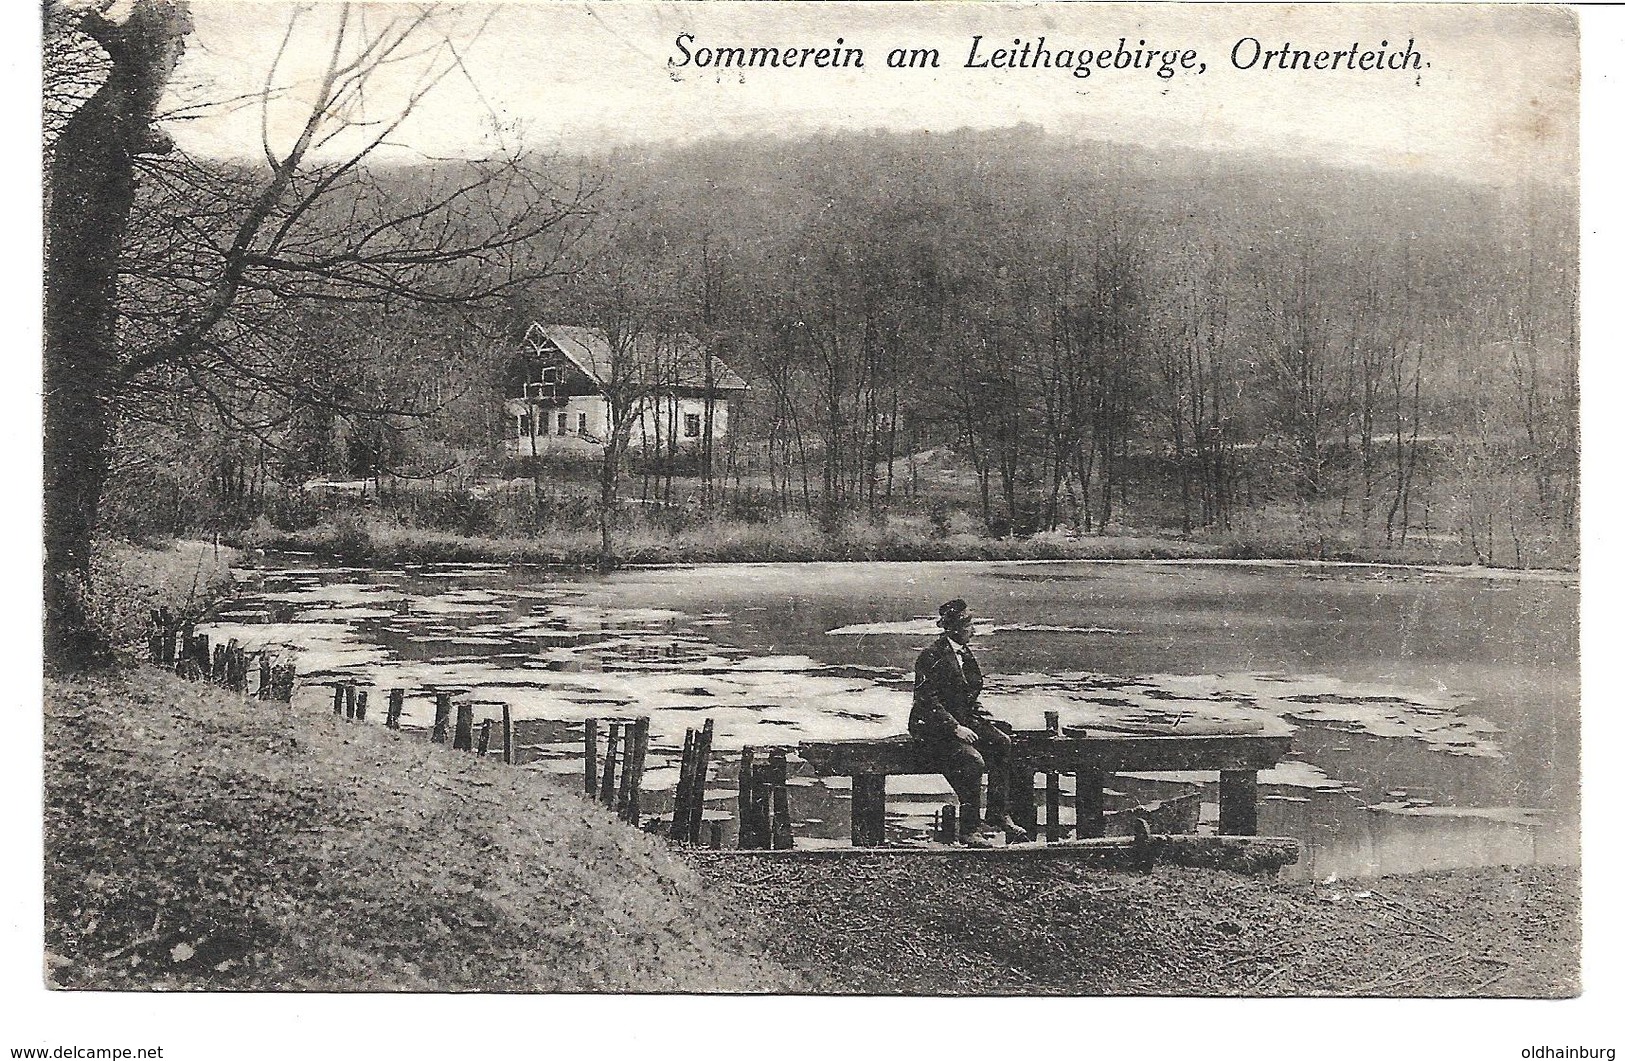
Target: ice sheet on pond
588,659
1508,815
927,627
1294,773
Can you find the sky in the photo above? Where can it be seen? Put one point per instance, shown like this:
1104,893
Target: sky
1497,101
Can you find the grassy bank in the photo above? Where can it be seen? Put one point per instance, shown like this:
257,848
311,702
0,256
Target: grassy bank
129,581
372,541
194,840
932,925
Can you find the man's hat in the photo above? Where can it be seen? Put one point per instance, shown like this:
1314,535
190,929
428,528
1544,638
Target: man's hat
954,614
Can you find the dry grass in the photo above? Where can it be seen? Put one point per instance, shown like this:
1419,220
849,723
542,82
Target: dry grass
790,539
128,581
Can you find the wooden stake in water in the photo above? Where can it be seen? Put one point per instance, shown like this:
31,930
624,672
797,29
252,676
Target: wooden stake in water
283,678
779,767
623,793
510,754
639,755
442,718
392,714
265,687
589,742
685,769
761,804
361,706
1052,786
606,790
463,739
747,839
349,700
485,737
702,768
338,701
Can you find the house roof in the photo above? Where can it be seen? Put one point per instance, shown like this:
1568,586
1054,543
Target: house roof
682,362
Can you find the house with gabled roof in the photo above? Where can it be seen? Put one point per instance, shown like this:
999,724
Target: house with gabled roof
567,386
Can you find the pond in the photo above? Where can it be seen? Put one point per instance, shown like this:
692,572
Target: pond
1435,712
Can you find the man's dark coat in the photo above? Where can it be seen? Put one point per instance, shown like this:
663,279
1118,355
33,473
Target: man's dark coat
945,692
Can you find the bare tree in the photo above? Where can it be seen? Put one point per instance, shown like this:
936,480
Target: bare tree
173,286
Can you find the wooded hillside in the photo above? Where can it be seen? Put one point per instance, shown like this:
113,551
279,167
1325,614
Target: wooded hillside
1023,330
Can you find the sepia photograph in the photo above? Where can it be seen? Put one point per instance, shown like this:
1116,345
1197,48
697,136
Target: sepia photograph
896,499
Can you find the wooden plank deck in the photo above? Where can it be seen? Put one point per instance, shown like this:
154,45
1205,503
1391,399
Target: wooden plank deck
1236,757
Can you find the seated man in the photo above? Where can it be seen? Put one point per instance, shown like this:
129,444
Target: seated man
964,738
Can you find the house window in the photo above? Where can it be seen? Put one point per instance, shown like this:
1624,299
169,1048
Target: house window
524,424
547,388
564,422
691,425
581,423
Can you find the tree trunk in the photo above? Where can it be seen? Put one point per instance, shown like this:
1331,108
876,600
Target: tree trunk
92,189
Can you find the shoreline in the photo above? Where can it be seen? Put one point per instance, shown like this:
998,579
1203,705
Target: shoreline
386,543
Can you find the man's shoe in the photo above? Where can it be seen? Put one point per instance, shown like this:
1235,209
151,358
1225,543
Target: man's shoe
984,835
1013,833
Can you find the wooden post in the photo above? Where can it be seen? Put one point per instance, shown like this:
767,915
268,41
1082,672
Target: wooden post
462,740
869,810
589,745
948,823
606,789
702,767
1052,786
349,700
361,706
392,715
442,717
1023,799
679,808
747,839
1145,847
485,737
779,772
634,769
510,754
1090,804
716,836
338,701
761,806
265,687
1238,802
283,678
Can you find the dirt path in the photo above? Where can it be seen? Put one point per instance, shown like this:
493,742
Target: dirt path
877,925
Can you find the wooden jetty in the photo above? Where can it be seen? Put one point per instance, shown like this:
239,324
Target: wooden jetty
1092,758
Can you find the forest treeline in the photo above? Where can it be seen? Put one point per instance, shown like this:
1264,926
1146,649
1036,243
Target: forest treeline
1005,331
